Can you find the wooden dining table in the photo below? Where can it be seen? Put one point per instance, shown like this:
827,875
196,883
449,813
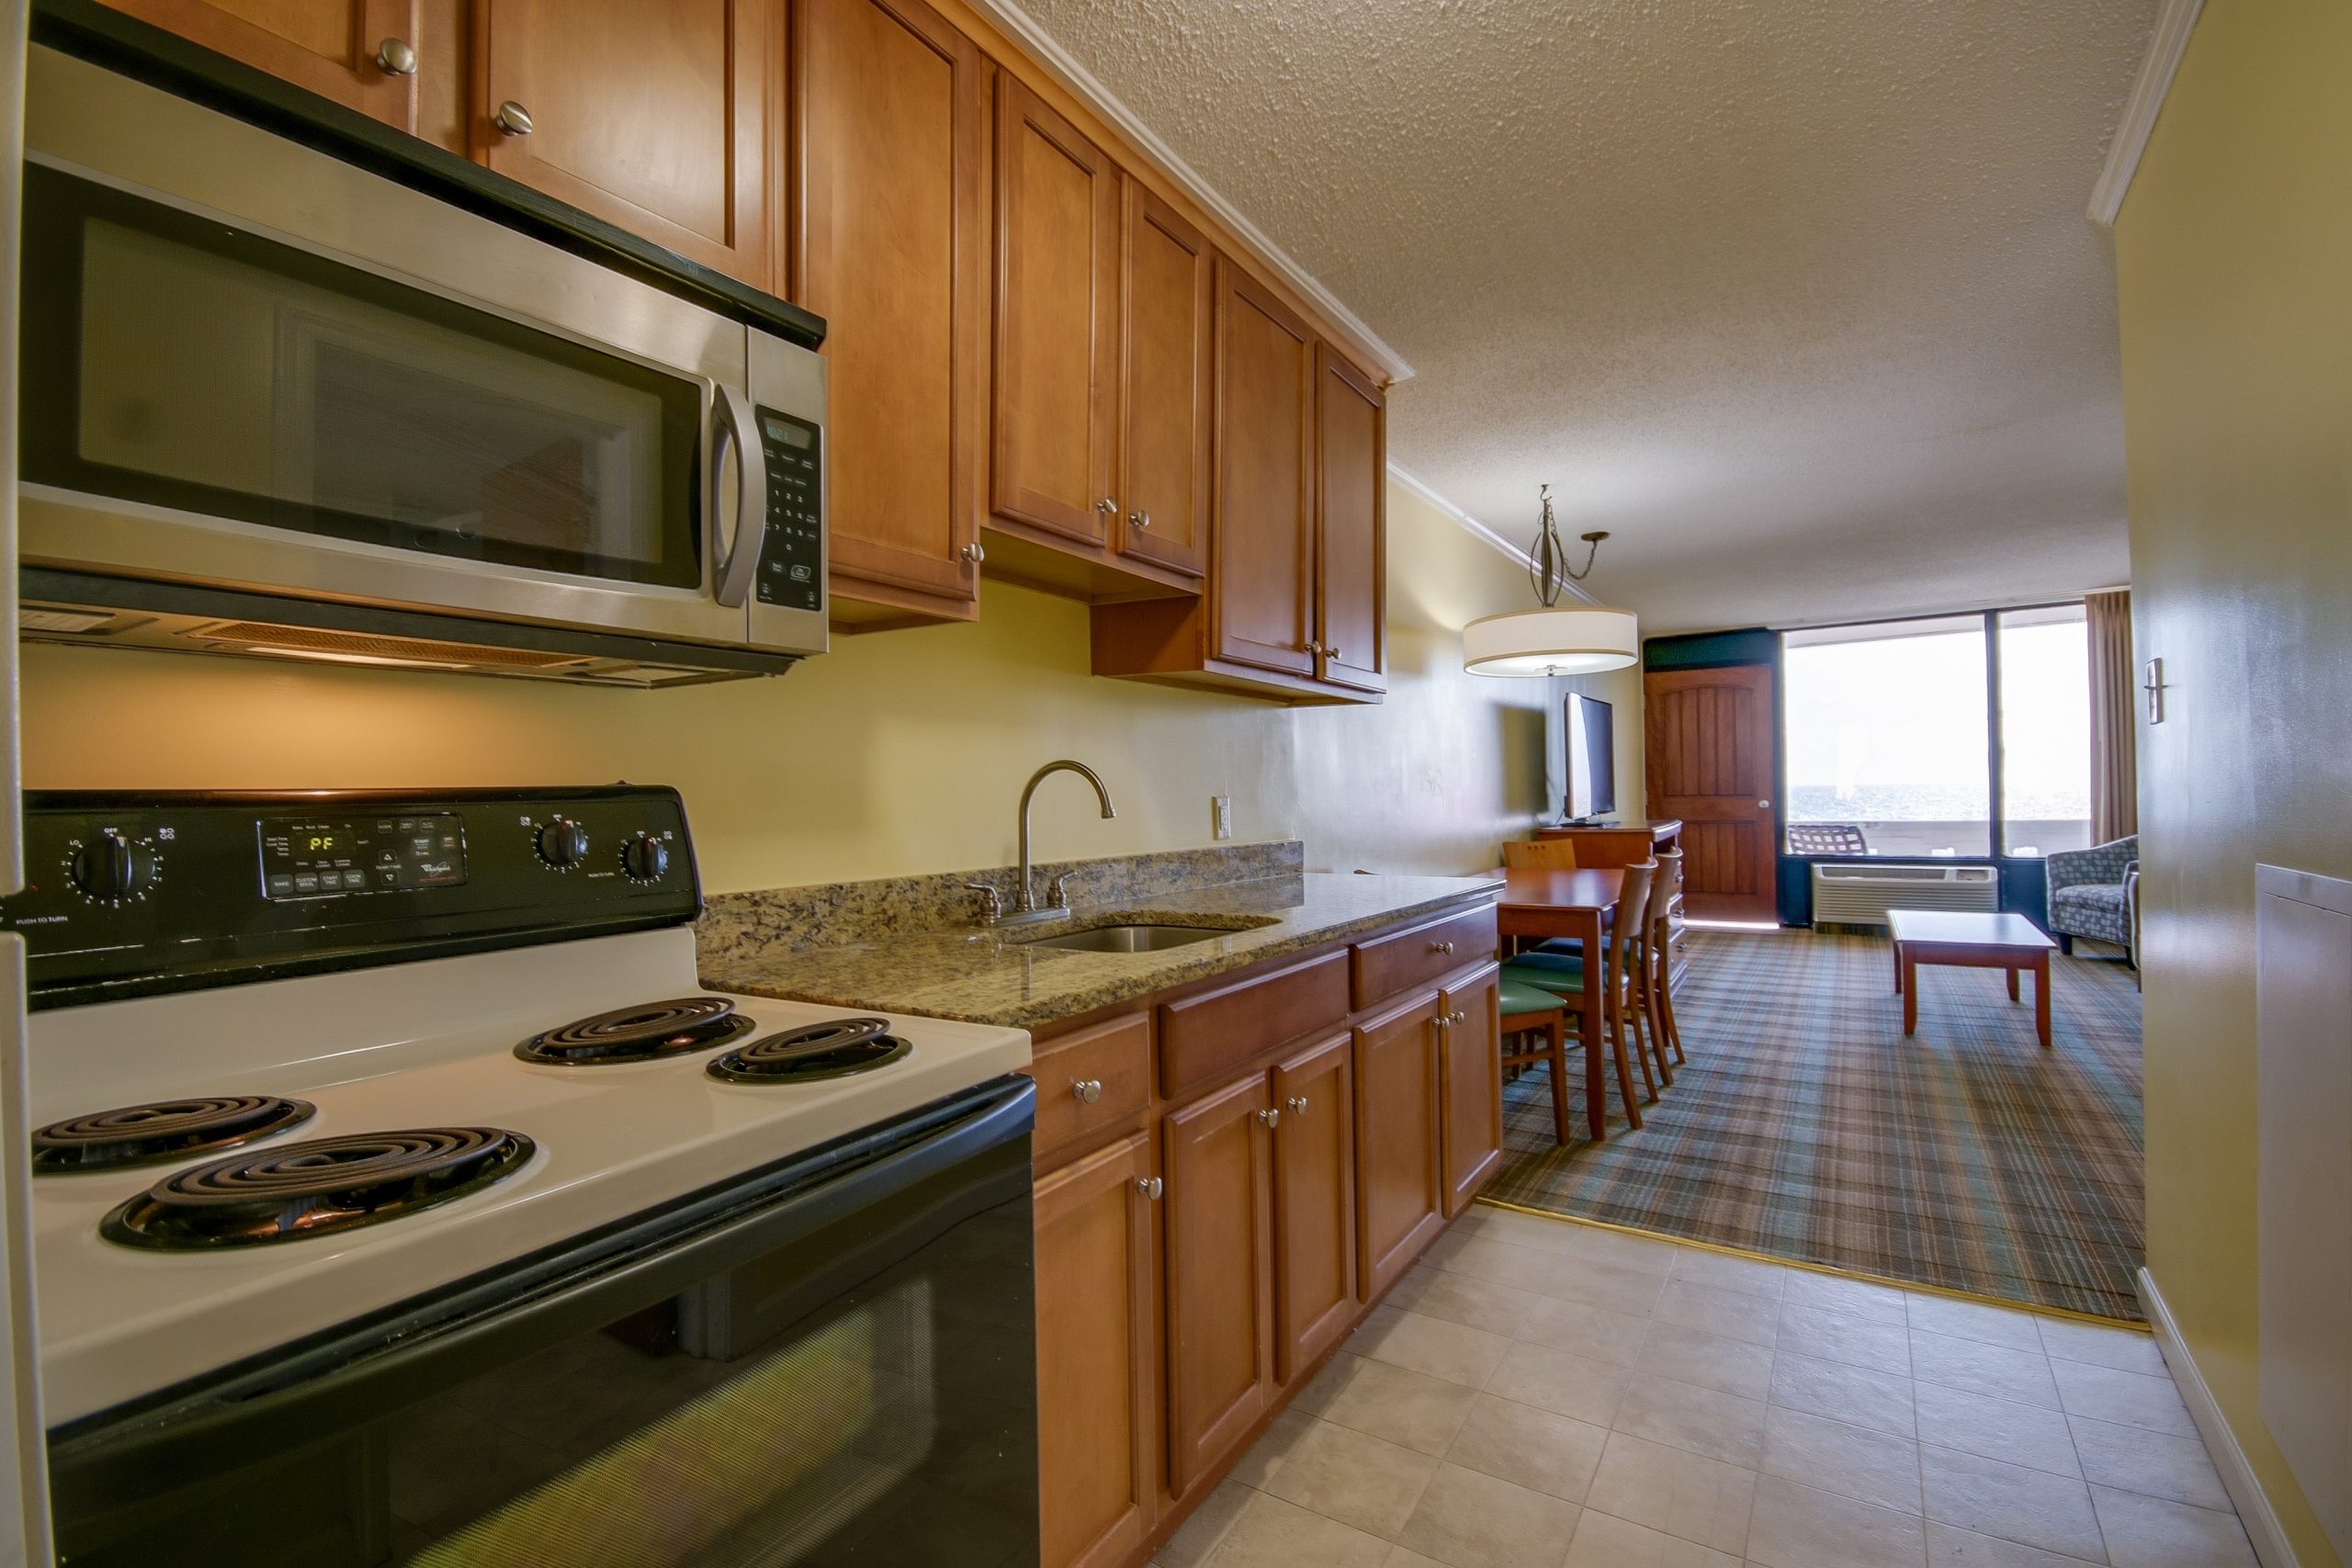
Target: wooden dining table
1540,905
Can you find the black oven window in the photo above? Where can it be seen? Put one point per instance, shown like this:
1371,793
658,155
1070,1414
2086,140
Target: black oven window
184,364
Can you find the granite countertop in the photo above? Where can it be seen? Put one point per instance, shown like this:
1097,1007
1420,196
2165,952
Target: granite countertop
987,976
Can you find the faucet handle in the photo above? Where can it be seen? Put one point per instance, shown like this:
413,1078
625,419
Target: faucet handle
992,910
1058,892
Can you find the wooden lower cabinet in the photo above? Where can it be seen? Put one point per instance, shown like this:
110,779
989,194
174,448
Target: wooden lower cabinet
1399,1197
1097,1366
1473,1079
1315,1203
1219,1285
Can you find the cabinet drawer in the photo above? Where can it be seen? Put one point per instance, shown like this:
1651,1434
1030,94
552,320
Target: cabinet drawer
1203,1036
1387,964
1115,1056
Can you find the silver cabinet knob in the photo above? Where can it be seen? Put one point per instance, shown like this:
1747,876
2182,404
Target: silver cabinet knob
1457,1018
1331,652
1107,506
1270,1118
1139,519
1440,947
513,118
1297,1103
973,553
1149,1186
395,57
1088,1091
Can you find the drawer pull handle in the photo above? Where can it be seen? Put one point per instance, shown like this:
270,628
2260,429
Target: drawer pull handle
1270,1118
1441,947
1298,1104
1088,1091
1150,1187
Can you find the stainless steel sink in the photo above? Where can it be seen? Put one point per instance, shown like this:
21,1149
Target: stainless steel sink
1127,939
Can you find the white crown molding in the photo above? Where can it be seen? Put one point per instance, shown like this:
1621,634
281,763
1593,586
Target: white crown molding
2176,19
2263,1531
1048,52
1479,531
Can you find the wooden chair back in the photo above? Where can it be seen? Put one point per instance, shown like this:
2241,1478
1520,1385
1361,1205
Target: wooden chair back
1663,890
1632,912
1540,854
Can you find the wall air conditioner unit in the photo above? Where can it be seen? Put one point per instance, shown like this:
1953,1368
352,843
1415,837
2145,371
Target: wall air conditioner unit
1861,894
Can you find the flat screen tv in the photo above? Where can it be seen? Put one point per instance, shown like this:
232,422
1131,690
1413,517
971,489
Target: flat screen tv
1589,756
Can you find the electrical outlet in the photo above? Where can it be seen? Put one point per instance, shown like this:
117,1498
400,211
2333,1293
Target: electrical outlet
1221,814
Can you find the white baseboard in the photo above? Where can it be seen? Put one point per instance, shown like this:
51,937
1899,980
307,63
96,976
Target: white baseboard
2261,1520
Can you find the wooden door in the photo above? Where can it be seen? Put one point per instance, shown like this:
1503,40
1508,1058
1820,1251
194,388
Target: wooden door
652,116
1315,1201
1164,360
1710,761
1400,1190
1265,470
1350,536
1219,1286
327,47
1472,1086
1098,1380
891,250
1057,320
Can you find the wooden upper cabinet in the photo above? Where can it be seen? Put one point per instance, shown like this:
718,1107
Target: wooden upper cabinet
1098,1382
1263,589
891,250
1400,1204
1350,535
1164,352
327,47
1057,321
1219,1275
1473,1087
1315,1199
655,117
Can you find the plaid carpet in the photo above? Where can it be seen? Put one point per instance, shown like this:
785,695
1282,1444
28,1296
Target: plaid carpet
1807,1127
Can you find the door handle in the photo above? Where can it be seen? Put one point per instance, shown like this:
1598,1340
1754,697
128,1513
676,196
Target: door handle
1763,806
737,559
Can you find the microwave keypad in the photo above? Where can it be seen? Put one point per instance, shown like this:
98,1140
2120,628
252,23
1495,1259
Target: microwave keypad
791,566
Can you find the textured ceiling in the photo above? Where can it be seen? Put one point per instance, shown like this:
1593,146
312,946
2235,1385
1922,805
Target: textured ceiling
1796,297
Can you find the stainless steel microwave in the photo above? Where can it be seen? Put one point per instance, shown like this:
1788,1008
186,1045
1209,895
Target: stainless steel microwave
276,404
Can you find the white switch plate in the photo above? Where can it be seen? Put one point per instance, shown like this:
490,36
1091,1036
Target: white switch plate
1221,814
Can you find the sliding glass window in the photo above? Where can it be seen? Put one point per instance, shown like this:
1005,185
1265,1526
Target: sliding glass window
1888,745
1885,738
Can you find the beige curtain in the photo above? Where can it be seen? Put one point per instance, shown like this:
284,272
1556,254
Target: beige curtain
2115,772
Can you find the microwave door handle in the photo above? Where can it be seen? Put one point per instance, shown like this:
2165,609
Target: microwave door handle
738,560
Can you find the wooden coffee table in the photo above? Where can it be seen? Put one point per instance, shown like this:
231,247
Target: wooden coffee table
1970,941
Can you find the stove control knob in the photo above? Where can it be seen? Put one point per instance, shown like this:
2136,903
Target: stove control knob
645,858
563,843
112,868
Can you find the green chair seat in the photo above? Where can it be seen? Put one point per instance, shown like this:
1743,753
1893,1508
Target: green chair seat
1561,978
1520,998
1567,946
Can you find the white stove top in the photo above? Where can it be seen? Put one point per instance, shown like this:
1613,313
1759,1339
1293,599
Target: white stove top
376,1051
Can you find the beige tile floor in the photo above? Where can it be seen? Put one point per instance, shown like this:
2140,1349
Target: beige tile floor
1542,1394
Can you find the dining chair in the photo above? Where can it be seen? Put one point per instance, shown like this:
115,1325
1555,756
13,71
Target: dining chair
1664,1027
1545,855
1530,1009
1566,978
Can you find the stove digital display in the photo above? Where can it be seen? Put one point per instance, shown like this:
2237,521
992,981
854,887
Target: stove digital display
370,854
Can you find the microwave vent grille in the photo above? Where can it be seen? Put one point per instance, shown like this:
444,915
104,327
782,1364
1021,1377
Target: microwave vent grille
259,637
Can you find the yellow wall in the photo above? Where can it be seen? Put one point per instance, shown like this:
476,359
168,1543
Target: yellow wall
2233,262
898,753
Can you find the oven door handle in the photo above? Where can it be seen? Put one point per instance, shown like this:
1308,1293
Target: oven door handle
737,558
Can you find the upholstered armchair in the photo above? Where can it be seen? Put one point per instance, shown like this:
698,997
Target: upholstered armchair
2092,892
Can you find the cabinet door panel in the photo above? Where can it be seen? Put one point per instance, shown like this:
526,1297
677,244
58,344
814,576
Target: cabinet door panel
1401,1202
1164,382
1099,1374
892,254
654,117
1350,565
1473,1088
1219,1290
327,47
1315,1200
1265,438
1056,318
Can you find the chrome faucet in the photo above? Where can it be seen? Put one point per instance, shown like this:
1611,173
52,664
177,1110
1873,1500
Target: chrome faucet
1025,895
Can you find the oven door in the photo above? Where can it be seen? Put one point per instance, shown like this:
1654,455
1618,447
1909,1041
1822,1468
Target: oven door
831,1362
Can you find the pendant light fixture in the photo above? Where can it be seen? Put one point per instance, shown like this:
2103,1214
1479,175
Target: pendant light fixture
1553,639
